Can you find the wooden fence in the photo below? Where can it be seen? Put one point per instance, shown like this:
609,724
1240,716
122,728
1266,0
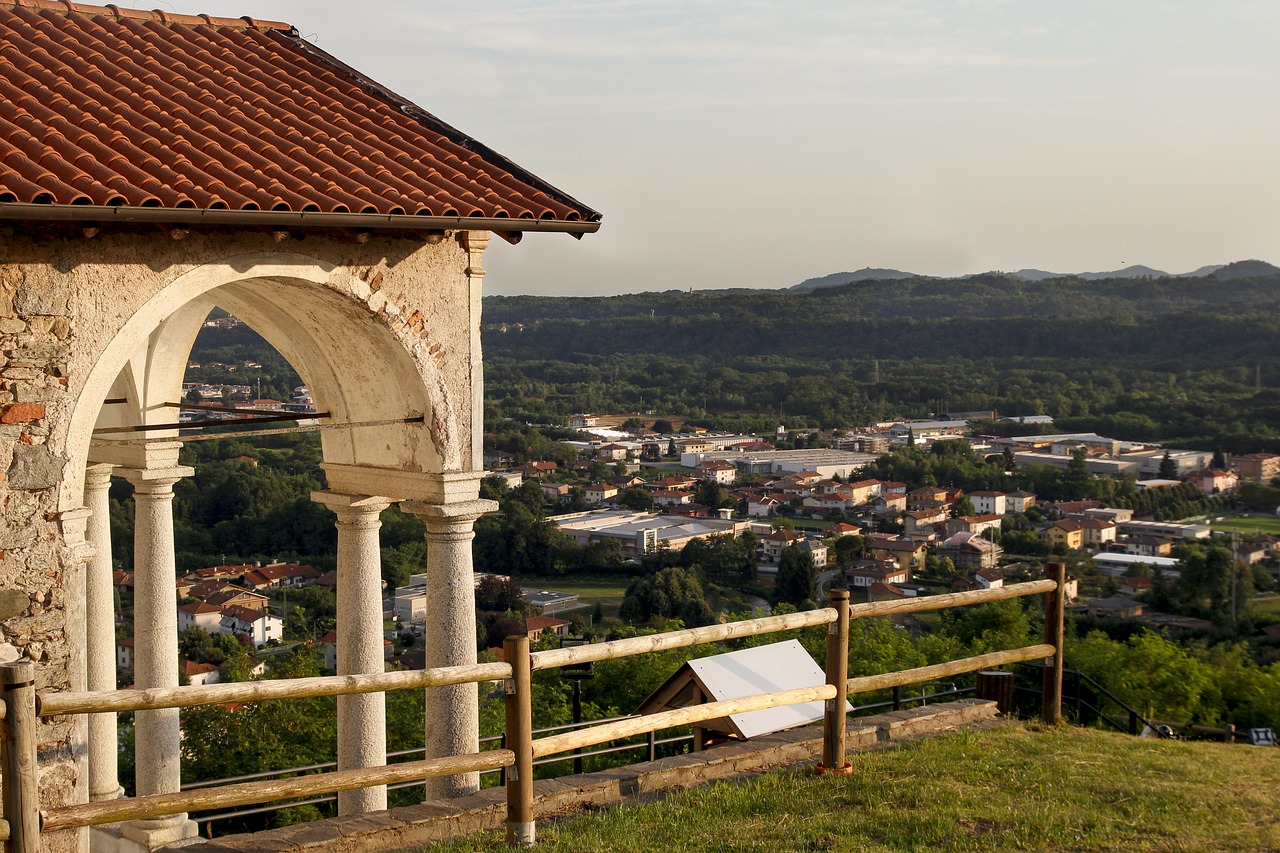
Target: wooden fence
21,707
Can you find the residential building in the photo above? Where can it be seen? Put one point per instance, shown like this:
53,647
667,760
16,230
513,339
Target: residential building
868,573
1066,532
1146,545
908,555
1019,501
1121,608
773,544
973,524
989,503
1213,481
536,625
281,575
1098,533
1256,466
124,654
970,551
200,673
554,491
1135,585
881,591
921,522
763,506
259,627
598,493
671,497
198,614
717,470
238,598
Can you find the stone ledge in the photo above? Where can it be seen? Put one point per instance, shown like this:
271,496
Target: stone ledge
414,826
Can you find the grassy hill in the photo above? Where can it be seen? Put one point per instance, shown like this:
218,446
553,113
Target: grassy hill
1010,787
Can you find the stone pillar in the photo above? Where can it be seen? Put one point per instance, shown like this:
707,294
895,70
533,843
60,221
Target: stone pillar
362,719
100,635
158,737
453,712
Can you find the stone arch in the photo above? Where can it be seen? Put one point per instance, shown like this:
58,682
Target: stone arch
362,360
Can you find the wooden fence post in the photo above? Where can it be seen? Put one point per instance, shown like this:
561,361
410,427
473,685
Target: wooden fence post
833,720
519,708
21,798
1054,607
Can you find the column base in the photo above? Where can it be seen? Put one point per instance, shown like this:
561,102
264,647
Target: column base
140,836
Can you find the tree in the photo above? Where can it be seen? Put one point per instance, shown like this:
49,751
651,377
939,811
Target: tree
963,507
636,498
1168,468
673,593
797,577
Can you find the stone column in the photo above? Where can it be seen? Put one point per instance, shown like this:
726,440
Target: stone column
453,712
100,635
362,719
158,737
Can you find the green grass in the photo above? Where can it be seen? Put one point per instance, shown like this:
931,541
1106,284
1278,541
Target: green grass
1248,524
1007,788
1270,604
608,592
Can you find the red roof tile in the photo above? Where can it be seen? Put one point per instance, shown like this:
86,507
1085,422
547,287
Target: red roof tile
123,108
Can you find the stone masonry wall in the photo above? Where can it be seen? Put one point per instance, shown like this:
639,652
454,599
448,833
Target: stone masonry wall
35,333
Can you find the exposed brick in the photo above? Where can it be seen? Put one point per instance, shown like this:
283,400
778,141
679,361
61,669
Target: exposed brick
21,413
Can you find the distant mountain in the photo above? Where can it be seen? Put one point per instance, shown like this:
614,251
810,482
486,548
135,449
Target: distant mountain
1222,272
1135,271
1202,272
1245,269
836,279
1038,275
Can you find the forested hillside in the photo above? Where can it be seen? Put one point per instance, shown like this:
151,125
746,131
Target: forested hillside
1193,360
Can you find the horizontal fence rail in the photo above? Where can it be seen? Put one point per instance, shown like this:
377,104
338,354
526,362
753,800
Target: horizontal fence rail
680,639
867,683
160,805
556,744
51,704
521,747
952,599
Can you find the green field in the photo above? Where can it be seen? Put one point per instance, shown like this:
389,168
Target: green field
1249,524
1270,604
607,592
1008,788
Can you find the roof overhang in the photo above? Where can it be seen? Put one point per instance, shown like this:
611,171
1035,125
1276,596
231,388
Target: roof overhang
285,219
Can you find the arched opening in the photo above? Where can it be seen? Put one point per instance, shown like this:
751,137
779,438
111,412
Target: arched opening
383,398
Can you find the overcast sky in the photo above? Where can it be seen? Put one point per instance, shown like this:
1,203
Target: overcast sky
732,143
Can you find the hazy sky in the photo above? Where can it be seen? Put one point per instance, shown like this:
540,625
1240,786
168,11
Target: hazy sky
732,143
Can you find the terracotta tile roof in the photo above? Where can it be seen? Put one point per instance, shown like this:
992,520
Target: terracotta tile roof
153,115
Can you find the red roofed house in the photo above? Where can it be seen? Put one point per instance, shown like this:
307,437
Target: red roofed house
200,673
281,575
773,544
154,164
868,573
200,615
535,625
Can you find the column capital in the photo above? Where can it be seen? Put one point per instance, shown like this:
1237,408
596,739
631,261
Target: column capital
98,474
353,508
148,480
445,516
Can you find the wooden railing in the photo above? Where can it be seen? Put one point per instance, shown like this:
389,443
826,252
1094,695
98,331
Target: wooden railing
21,707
